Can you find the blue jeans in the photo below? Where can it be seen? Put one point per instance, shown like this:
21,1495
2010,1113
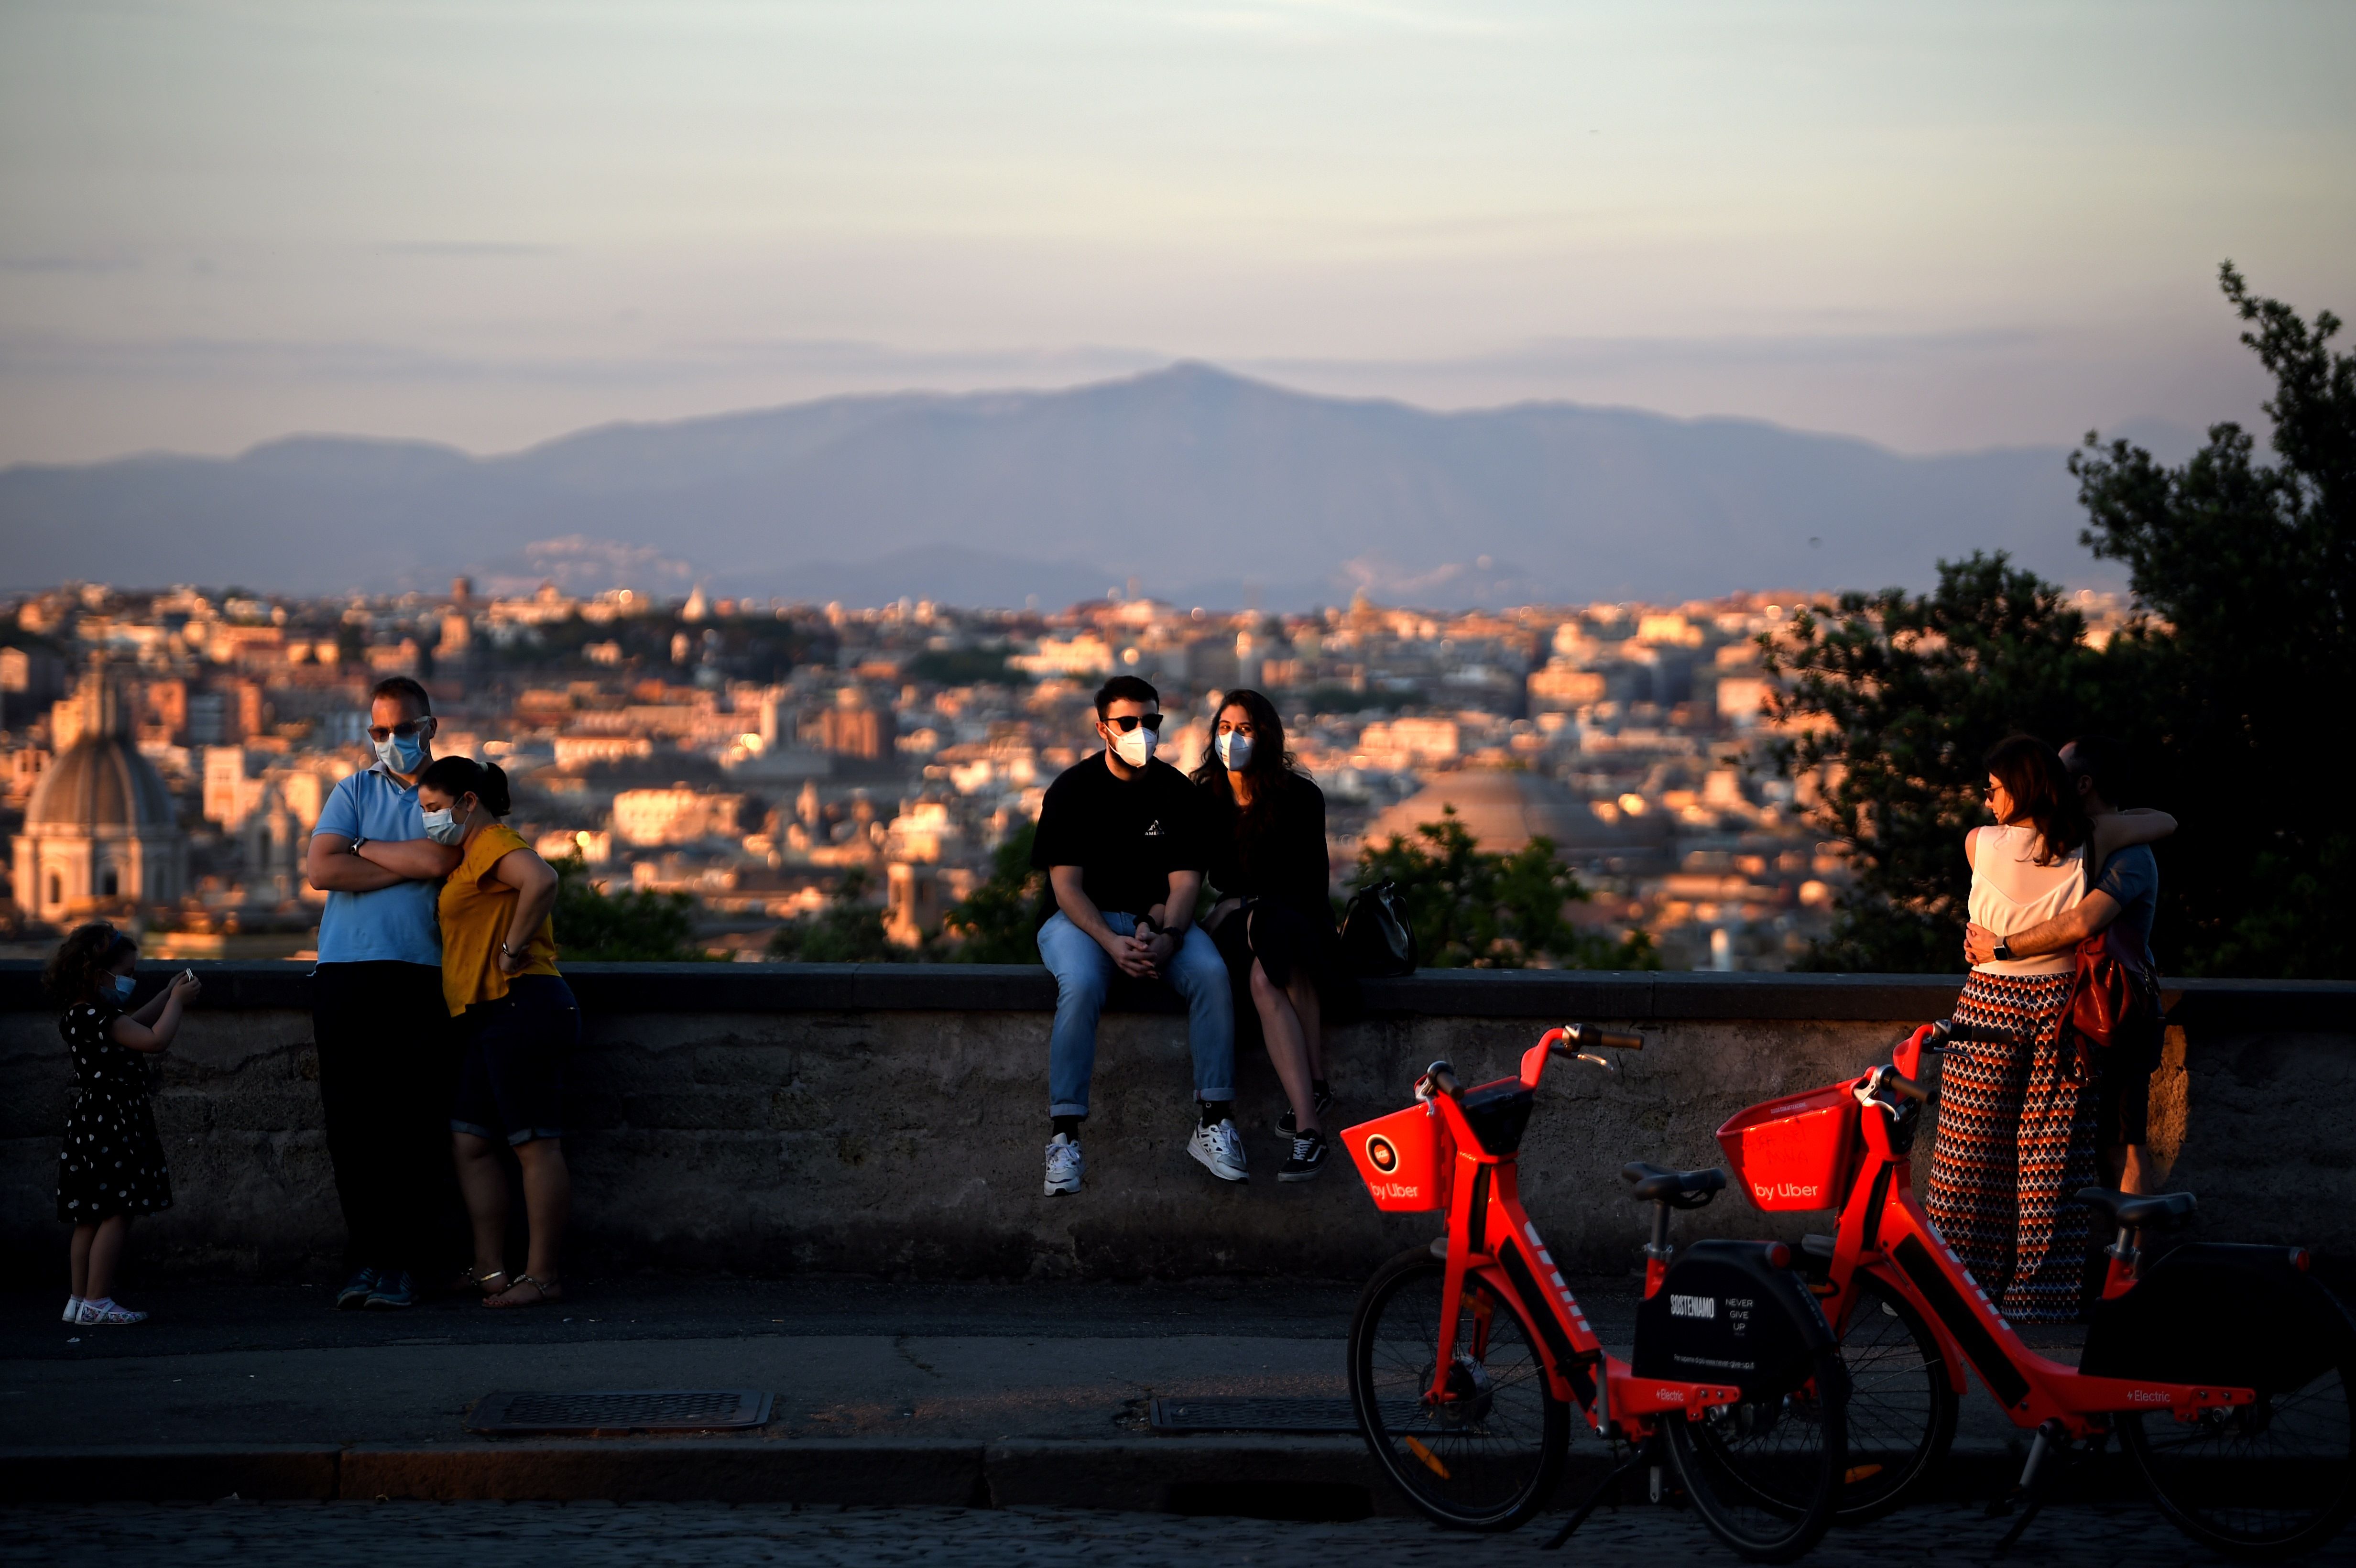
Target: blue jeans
1084,971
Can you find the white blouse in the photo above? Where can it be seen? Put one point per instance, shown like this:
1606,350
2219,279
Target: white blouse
2011,893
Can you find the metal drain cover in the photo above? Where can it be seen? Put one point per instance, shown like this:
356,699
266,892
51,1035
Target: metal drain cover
1300,1416
615,1412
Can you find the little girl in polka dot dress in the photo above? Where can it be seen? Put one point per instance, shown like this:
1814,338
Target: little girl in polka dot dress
111,1165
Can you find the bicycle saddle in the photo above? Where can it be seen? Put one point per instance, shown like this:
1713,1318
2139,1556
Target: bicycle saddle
2159,1210
1654,1185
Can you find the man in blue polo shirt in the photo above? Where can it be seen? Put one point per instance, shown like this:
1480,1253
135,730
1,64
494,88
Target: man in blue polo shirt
385,1069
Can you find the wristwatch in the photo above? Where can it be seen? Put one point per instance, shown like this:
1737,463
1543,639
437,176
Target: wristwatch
356,844
2003,954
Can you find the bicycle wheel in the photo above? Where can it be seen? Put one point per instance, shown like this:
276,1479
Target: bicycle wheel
1487,1460
1766,1476
2272,1480
1901,1406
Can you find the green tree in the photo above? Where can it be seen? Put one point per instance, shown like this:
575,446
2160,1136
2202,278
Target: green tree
1472,908
849,930
1898,697
964,666
2224,687
998,922
2249,572
595,926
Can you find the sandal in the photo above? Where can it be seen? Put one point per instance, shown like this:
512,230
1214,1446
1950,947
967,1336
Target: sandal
546,1292
478,1281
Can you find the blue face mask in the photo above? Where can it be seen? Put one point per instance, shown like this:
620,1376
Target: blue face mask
404,754
122,985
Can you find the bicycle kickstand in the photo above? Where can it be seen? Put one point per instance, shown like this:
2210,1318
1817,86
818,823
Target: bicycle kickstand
1637,1455
2049,1455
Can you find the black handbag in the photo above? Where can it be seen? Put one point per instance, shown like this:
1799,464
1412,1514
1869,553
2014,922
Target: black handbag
1376,936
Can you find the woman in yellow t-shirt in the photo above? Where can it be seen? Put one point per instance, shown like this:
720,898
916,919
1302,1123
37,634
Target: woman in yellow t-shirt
518,1019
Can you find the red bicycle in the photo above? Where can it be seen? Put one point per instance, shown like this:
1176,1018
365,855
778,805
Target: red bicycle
1467,1355
2224,1370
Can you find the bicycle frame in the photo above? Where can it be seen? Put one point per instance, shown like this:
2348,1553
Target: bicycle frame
1883,1231
1492,1237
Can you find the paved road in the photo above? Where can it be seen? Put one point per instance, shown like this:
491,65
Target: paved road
605,1535
295,1315
266,1364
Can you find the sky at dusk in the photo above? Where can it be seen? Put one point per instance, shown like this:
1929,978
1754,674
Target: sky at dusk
1939,226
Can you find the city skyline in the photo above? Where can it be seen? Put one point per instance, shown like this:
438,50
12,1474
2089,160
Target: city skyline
775,764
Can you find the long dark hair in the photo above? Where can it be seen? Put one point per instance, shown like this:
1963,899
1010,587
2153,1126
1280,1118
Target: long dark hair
2031,772
87,953
1271,766
455,777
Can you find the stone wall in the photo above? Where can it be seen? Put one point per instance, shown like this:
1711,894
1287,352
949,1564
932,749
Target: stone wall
889,1119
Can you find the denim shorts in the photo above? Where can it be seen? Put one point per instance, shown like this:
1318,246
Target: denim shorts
512,1076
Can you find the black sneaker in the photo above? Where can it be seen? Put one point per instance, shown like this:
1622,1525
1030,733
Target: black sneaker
355,1294
1308,1158
1286,1125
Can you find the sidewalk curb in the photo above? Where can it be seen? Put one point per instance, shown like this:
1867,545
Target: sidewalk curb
181,1473
938,1471
1269,1477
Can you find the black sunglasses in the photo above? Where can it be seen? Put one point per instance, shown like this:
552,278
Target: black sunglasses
406,731
1128,722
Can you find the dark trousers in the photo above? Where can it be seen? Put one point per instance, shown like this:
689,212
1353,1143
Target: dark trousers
388,1070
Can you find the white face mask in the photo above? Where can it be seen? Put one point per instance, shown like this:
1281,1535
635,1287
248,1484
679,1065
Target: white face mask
1136,748
443,827
1235,751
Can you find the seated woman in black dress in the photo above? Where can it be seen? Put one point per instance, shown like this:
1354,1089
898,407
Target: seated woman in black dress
1273,921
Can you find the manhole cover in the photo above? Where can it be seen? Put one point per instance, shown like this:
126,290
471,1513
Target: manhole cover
1303,1415
631,1410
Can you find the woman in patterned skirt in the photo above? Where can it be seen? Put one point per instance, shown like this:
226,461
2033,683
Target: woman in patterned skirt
2017,1120
111,1165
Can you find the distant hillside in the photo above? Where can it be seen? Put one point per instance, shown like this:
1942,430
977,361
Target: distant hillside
1207,487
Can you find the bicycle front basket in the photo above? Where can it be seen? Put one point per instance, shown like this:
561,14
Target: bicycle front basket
1796,1152
1404,1157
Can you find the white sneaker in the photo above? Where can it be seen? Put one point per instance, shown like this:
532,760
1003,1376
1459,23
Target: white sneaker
1065,1165
103,1312
73,1310
1221,1150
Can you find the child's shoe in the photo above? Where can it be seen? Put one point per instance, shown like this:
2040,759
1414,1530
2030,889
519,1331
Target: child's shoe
104,1313
73,1310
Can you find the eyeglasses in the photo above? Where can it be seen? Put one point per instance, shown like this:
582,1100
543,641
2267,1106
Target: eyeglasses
409,731
1128,722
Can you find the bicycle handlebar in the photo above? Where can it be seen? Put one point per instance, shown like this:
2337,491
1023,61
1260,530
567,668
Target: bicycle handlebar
1898,1084
1971,1034
1572,1038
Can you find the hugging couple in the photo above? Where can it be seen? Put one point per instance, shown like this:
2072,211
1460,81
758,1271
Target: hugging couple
440,1019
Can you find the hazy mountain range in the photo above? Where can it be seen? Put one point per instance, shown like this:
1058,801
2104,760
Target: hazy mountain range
1205,488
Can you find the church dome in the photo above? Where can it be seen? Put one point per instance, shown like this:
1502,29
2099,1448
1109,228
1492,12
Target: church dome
1505,808
101,781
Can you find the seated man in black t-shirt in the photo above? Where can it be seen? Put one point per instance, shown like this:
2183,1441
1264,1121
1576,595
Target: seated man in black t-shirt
1122,839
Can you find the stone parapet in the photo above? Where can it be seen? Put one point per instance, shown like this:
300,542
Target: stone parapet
888,1119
